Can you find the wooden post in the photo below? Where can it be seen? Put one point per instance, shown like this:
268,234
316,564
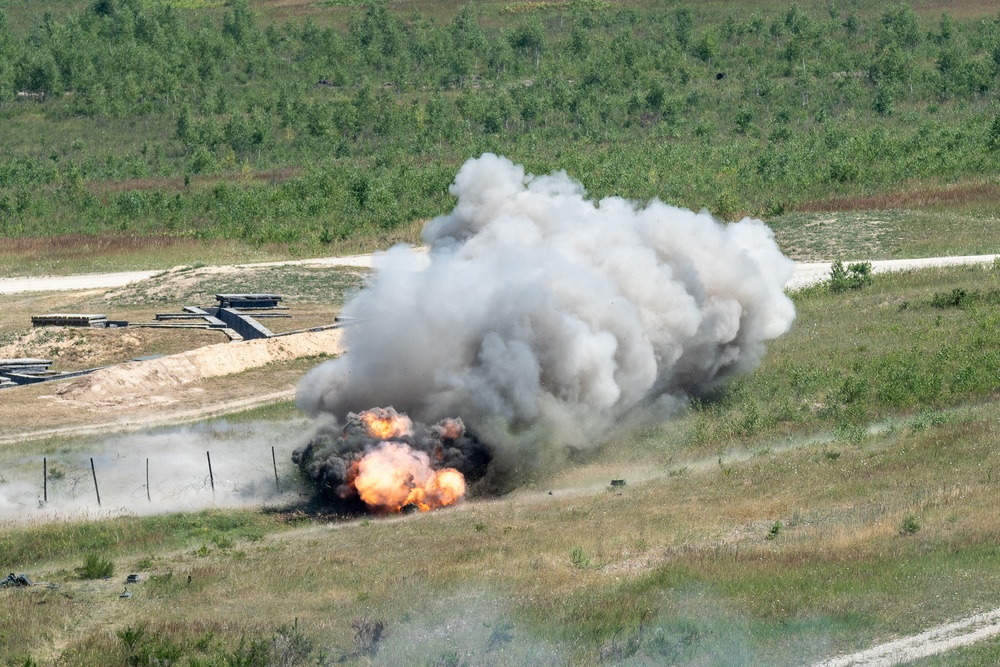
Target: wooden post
93,472
211,477
45,479
274,461
148,497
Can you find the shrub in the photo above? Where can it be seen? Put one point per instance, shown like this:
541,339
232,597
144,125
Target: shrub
774,531
855,276
910,525
96,567
579,558
958,298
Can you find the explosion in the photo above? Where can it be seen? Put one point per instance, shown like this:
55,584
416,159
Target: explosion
392,476
389,463
546,319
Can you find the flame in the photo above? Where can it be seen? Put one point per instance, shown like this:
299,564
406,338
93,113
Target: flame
450,429
386,423
393,475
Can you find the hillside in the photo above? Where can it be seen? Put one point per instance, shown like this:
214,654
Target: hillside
321,127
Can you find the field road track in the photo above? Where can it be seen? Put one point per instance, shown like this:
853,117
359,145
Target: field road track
89,281
810,273
806,273
940,639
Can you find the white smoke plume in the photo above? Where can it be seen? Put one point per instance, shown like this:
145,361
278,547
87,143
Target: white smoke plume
542,313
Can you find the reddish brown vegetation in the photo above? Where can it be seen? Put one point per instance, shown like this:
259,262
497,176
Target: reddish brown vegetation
81,245
929,196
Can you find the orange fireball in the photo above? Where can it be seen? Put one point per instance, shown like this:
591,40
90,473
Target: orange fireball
386,423
393,475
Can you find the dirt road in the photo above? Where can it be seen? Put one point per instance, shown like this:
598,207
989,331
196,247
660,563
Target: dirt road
806,273
935,641
810,273
88,281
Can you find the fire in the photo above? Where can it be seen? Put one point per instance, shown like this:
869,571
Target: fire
450,429
393,475
386,423
389,462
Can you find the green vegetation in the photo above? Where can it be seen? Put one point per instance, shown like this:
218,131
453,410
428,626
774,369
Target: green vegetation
854,276
196,120
96,567
893,348
23,548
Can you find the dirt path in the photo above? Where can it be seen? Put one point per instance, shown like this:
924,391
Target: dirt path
810,273
935,641
88,281
806,273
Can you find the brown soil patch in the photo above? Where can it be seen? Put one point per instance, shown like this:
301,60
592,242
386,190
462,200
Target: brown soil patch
925,196
76,348
162,381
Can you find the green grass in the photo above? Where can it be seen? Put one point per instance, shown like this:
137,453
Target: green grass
96,566
25,547
885,234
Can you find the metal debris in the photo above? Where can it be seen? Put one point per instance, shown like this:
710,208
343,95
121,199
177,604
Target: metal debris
16,581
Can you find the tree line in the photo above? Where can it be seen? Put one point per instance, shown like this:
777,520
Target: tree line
697,105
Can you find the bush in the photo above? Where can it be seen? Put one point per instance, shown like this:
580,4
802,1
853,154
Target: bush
775,531
958,298
96,567
579,558
855,276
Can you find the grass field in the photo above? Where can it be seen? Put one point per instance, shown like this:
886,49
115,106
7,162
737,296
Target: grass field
842,495
815,506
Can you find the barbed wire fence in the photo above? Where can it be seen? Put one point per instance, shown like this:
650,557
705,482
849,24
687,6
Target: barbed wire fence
137,483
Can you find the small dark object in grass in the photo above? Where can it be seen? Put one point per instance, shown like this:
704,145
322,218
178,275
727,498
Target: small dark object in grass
617,482
368,634
16,581
132,579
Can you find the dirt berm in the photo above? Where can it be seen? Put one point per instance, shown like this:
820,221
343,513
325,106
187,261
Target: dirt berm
159,380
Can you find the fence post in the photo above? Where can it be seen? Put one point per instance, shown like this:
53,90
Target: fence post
274,461
211,477
93,472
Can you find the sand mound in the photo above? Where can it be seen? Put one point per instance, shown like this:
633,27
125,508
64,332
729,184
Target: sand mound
157,380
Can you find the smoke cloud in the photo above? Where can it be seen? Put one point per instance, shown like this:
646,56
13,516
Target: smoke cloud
541,316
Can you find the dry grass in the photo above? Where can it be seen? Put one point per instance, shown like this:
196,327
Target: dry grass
682,551
955,196
77,253
651,549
